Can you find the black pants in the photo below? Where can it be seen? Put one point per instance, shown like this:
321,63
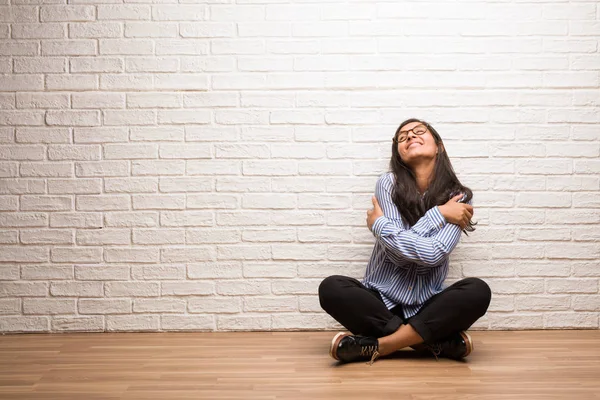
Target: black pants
362,311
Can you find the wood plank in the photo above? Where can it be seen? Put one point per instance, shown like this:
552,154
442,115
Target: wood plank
292,365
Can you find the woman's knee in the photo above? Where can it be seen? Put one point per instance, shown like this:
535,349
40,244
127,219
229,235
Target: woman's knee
329,288
482,292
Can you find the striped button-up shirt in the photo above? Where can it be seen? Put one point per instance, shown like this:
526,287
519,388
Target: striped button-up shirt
408,265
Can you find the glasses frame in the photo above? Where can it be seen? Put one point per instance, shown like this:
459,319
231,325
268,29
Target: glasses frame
395,139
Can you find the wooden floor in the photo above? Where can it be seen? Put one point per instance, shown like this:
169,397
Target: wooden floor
285,365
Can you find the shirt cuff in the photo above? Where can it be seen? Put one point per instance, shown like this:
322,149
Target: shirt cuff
436,218
378,225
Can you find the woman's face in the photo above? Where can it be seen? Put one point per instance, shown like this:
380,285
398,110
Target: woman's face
416,148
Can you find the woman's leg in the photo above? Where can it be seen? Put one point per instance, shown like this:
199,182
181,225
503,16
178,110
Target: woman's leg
454,309
356,307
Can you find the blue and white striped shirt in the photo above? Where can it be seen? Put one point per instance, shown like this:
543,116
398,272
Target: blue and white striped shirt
408,264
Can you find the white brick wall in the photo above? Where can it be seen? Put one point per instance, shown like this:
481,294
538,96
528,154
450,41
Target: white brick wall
204,166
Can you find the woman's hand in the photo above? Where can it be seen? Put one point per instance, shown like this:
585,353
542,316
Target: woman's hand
374,213
457,213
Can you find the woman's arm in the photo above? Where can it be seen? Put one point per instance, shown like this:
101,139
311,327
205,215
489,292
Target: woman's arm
427,225
407,243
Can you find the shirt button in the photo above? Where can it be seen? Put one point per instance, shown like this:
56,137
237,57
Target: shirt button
441,224
410,288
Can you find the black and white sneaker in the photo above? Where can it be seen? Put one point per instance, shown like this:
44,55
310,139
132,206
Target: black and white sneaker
456,346
346,347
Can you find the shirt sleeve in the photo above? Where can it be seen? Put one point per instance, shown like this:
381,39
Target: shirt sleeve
410,244
428,224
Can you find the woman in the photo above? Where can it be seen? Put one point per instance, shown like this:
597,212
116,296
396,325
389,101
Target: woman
419,211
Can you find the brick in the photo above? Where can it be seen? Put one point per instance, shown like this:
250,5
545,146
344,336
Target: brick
154,100
210,99
19,48
17,118
106,236
206,29
215,269
74,152
186,218
98,100
95,30
22,152
76,255
150,29
186,184
10,306
101,168
165,133
9,203
128,323
29,289
23,186
46,203
67,13
73,118
125,47
211,201
124,82
79,47
189,47
42,100
571,320
158,167
131,219
47,236
104,306
204,236
9,237
218,305
130,185
189,323
30,65
158,201
18,14
158,236
158,272
100,135
96,64
187,254
132,289
187,288
124,12
129,117
102,202
23,219
47,272
76,220
49,306
131,255
264,270
162,305
213,167
24,324
152,64
9,169
186,151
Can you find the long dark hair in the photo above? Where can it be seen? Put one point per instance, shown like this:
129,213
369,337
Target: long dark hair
444,183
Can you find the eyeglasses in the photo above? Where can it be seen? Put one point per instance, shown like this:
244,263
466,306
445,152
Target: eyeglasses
403,135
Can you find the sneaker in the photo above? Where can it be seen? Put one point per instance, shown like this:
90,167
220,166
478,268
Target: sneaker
456,346
346,347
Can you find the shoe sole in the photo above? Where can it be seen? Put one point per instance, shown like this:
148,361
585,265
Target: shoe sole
468,341
334,343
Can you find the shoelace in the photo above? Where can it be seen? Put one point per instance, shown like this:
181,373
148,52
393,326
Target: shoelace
373,357
436,349
372,350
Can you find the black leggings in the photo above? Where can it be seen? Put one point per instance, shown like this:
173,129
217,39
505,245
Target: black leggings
362,311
